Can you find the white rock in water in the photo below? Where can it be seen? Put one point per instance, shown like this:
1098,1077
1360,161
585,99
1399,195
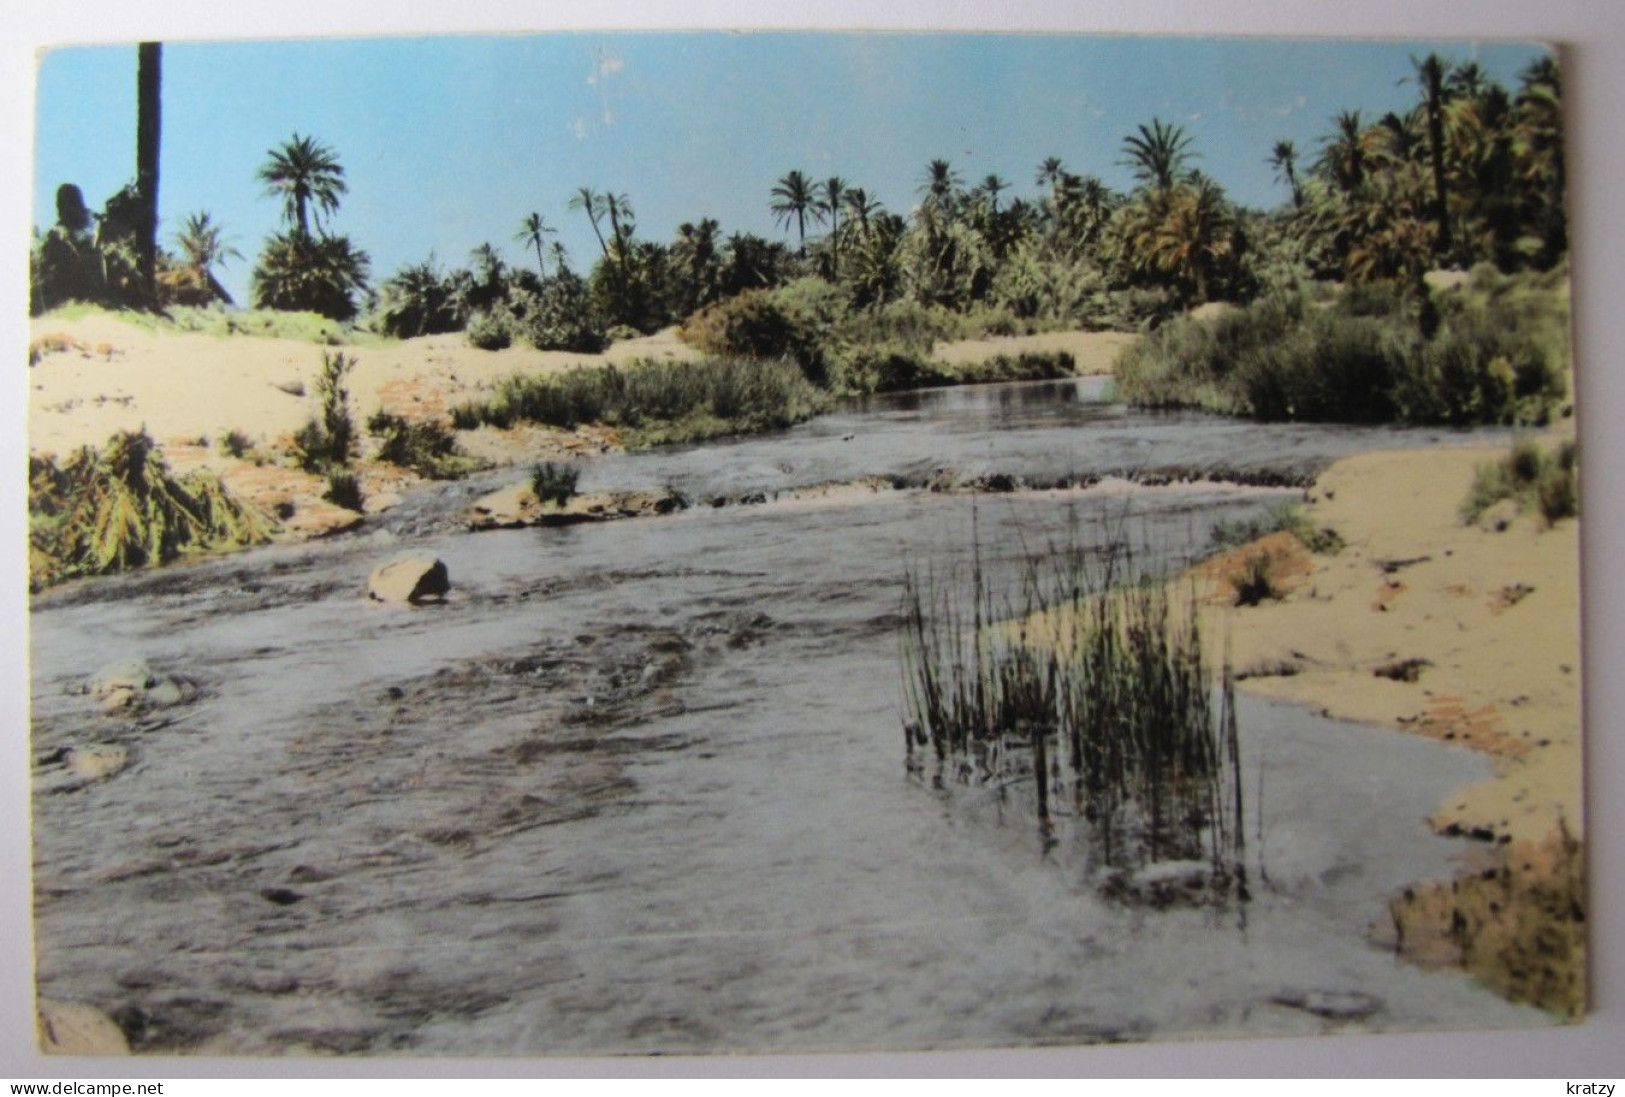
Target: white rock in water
128,675
410,579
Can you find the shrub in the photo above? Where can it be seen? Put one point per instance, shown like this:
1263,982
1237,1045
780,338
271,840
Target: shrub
559,316
555,483
1289,517
655,400
301,273
491,330
418,300
427,448
1546,481
235,443
1256,583
328,442
343,490
1365,357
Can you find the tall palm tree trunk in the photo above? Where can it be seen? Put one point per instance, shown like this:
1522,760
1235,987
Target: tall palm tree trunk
1433,75
149,78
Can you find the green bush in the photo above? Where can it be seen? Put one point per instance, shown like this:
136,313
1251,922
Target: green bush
319,274
491,330
328,442
343,490
656,401
1545,481
1491,358
555,483
559,316
427,448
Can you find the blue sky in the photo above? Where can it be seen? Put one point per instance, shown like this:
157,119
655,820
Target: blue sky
448,142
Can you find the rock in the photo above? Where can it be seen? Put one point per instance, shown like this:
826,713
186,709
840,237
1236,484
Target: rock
126,675
75,767
1334,1005
512,507
410,579
1498,517
73,1028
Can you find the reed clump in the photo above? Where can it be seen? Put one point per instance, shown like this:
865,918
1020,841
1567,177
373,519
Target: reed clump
1091,686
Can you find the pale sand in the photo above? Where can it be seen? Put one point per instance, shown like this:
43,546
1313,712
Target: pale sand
1497,615
183,386
1093,351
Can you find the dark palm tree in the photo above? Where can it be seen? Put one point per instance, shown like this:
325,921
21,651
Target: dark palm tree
991,186
202,245
303,172
1157,153
795,197
860,207
149,80
1283,158
830,198
533,230
1430,74
1344,158
587,201
941,181
1050,174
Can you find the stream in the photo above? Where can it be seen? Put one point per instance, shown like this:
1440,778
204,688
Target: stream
639,786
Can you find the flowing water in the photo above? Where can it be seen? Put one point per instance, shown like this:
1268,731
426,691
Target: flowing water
639,786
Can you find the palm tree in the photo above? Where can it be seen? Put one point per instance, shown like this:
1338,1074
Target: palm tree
1284,160
1344,157
830,197
860,207
149,79
795,197
1050,174
587,200
991,186
532,231
560,258
1157,154
203,247
941,181
302,172
1430,74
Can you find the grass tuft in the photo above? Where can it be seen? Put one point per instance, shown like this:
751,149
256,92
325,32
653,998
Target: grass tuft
1116,719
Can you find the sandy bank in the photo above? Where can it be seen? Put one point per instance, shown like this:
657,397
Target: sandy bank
1093,351
1492,617
181,386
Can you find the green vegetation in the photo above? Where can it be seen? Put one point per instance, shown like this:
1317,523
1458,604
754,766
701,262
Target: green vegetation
327,443
119,508
427,448
1288,517
655,402
1497,353
1096,692
299,270
554,483
1547,482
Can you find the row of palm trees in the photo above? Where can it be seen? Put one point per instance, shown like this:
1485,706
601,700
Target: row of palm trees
1472,172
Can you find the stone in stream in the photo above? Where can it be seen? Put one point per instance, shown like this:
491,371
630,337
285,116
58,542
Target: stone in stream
409,579
132,683
74,1028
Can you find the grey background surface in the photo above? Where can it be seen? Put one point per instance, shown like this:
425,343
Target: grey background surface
1592,35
